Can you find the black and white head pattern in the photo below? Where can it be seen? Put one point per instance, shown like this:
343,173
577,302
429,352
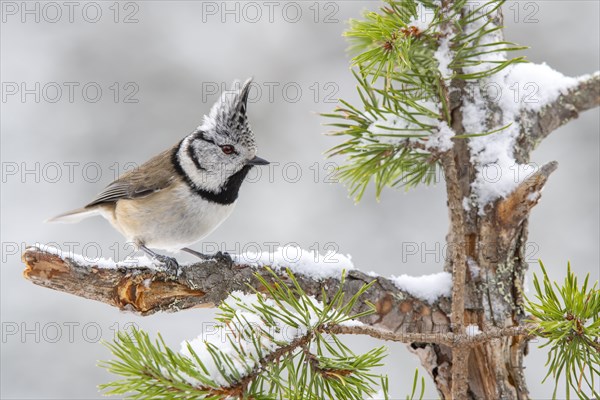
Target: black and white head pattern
228,116
214,159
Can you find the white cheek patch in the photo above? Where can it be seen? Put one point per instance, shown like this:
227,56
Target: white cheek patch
203,179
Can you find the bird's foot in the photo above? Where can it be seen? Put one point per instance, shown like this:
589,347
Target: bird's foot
170,263
222,256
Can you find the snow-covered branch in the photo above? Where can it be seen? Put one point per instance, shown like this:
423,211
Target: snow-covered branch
146,289
537,124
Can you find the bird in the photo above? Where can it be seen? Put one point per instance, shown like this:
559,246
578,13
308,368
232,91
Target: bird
183,194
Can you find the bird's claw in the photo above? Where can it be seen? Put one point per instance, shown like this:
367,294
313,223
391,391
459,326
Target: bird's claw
169,262
222,256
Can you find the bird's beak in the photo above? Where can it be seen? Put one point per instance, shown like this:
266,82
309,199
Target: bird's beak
258,161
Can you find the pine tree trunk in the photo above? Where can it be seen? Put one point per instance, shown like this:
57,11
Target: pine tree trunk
494,246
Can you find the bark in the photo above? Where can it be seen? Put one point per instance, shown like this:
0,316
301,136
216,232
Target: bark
205,284
537,126
496,243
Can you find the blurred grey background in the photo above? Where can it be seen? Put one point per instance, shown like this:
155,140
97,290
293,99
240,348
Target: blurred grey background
119,82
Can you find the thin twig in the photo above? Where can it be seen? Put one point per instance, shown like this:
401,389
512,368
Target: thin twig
460,353
450,339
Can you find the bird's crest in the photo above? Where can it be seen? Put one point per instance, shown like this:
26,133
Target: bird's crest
228,116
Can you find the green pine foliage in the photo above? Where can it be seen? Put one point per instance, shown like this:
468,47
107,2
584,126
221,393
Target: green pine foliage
404,96
277,346
418,386
569,318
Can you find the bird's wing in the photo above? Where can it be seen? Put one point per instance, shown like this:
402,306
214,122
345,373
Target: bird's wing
150,177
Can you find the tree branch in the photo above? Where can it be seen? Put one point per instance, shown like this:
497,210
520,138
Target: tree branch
450,339
514,209
205,284
457,237
535,126
459,259
460,354
238,388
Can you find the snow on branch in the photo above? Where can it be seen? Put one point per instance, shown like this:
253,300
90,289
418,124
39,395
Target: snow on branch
537,124
146,289
502,158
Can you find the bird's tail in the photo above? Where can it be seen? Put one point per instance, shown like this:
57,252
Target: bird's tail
75,215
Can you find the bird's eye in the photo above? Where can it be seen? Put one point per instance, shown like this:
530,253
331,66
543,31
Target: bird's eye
227,149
